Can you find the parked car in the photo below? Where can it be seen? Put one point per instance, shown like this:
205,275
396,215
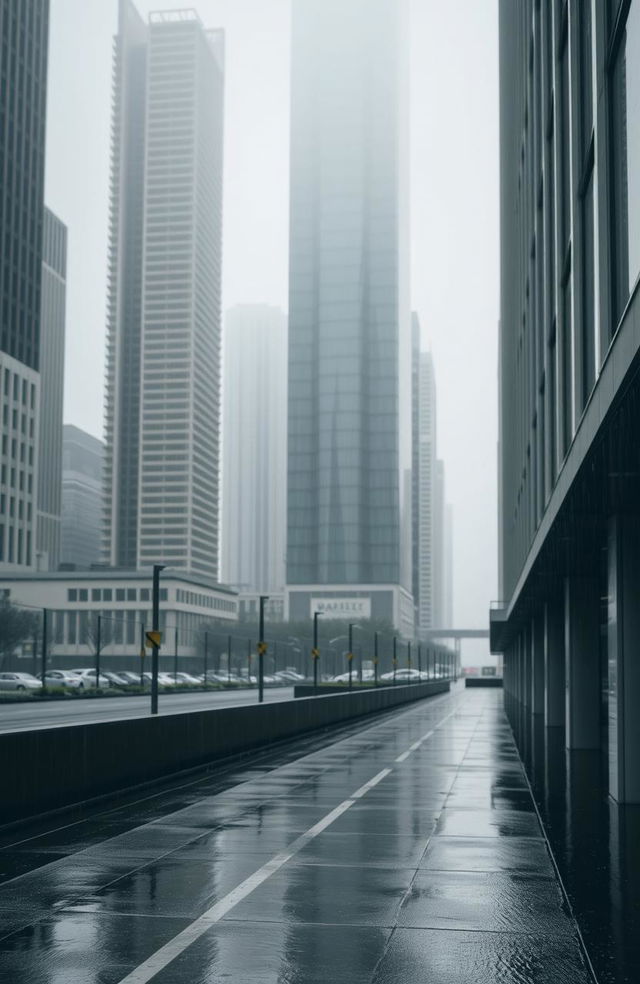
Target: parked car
88,677
367,675
117,679
289,677
186,678
164,679
405,675
63,678
19,681
131,679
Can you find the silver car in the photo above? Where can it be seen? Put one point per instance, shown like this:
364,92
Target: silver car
63,678
19,681
88,678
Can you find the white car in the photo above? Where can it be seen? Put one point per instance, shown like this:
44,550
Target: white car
19,681
367,675
88,678
63,678
186,678
405,675
164,679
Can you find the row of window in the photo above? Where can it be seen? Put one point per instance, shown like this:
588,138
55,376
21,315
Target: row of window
204,601
113,594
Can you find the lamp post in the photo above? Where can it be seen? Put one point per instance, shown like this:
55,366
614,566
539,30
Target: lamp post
155,609
350,653
409,659
228,659
206,654
98,646
375,659
262,648
315,652
395,657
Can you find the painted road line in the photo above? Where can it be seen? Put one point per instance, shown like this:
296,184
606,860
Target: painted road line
159,960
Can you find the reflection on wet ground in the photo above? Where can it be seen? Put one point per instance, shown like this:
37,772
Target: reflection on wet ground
596,844
438,872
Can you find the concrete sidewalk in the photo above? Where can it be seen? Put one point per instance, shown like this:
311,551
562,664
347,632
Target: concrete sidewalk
407,851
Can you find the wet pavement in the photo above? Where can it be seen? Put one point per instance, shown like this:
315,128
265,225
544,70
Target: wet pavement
52,714
404,849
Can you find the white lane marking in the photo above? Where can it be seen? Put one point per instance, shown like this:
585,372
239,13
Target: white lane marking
157,962
369,785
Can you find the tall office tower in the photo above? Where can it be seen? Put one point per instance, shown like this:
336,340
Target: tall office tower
447,574
254,499
426,526
52,330
439,515
415,464
163,359
82,498
570,389
23,81
349,451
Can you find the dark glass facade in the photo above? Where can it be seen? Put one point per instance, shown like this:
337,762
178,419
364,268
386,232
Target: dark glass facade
23,79
349,450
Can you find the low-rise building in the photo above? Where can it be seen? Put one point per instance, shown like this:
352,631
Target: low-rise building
112,609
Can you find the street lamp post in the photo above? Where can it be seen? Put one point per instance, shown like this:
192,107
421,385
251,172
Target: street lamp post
155,616
315,652
409,659
262,648
206,654
98,645
228,659
395,657
350,654
375,659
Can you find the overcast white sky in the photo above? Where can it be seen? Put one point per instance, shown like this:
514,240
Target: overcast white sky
454,207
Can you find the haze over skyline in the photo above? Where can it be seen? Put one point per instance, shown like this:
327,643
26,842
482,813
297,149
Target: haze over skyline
454,218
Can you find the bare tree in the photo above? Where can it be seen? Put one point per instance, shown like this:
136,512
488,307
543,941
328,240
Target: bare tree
16,625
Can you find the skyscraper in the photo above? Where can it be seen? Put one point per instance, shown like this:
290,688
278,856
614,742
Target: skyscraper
254,448
82,498
349,451
52,336
23,79
426,526
163,358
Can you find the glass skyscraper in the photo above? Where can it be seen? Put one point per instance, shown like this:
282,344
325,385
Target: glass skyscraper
349,454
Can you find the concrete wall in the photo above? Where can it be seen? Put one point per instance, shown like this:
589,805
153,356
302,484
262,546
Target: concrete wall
49,768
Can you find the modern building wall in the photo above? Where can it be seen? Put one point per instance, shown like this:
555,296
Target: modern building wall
163,356
82,498
254,500
52,341
569,359
23,80
349,431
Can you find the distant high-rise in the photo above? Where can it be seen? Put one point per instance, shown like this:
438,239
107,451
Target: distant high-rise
52,335
163,359
349,431
82,498
23,80
425,527
254,448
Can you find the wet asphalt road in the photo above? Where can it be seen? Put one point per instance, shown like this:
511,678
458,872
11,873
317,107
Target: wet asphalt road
404,849
51,714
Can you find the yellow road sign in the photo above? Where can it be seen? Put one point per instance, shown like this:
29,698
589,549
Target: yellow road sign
315,653
262,647
153,638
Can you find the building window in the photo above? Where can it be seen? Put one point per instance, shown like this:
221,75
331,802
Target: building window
131,594
163,594
72,594
144,594
587,206
625,144
83,594
119,594
106,594
567,365
96,594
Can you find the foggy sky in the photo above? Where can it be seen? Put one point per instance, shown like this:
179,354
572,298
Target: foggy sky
454,218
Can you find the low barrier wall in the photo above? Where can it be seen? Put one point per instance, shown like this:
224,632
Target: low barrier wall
308,690
49,768
483,682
